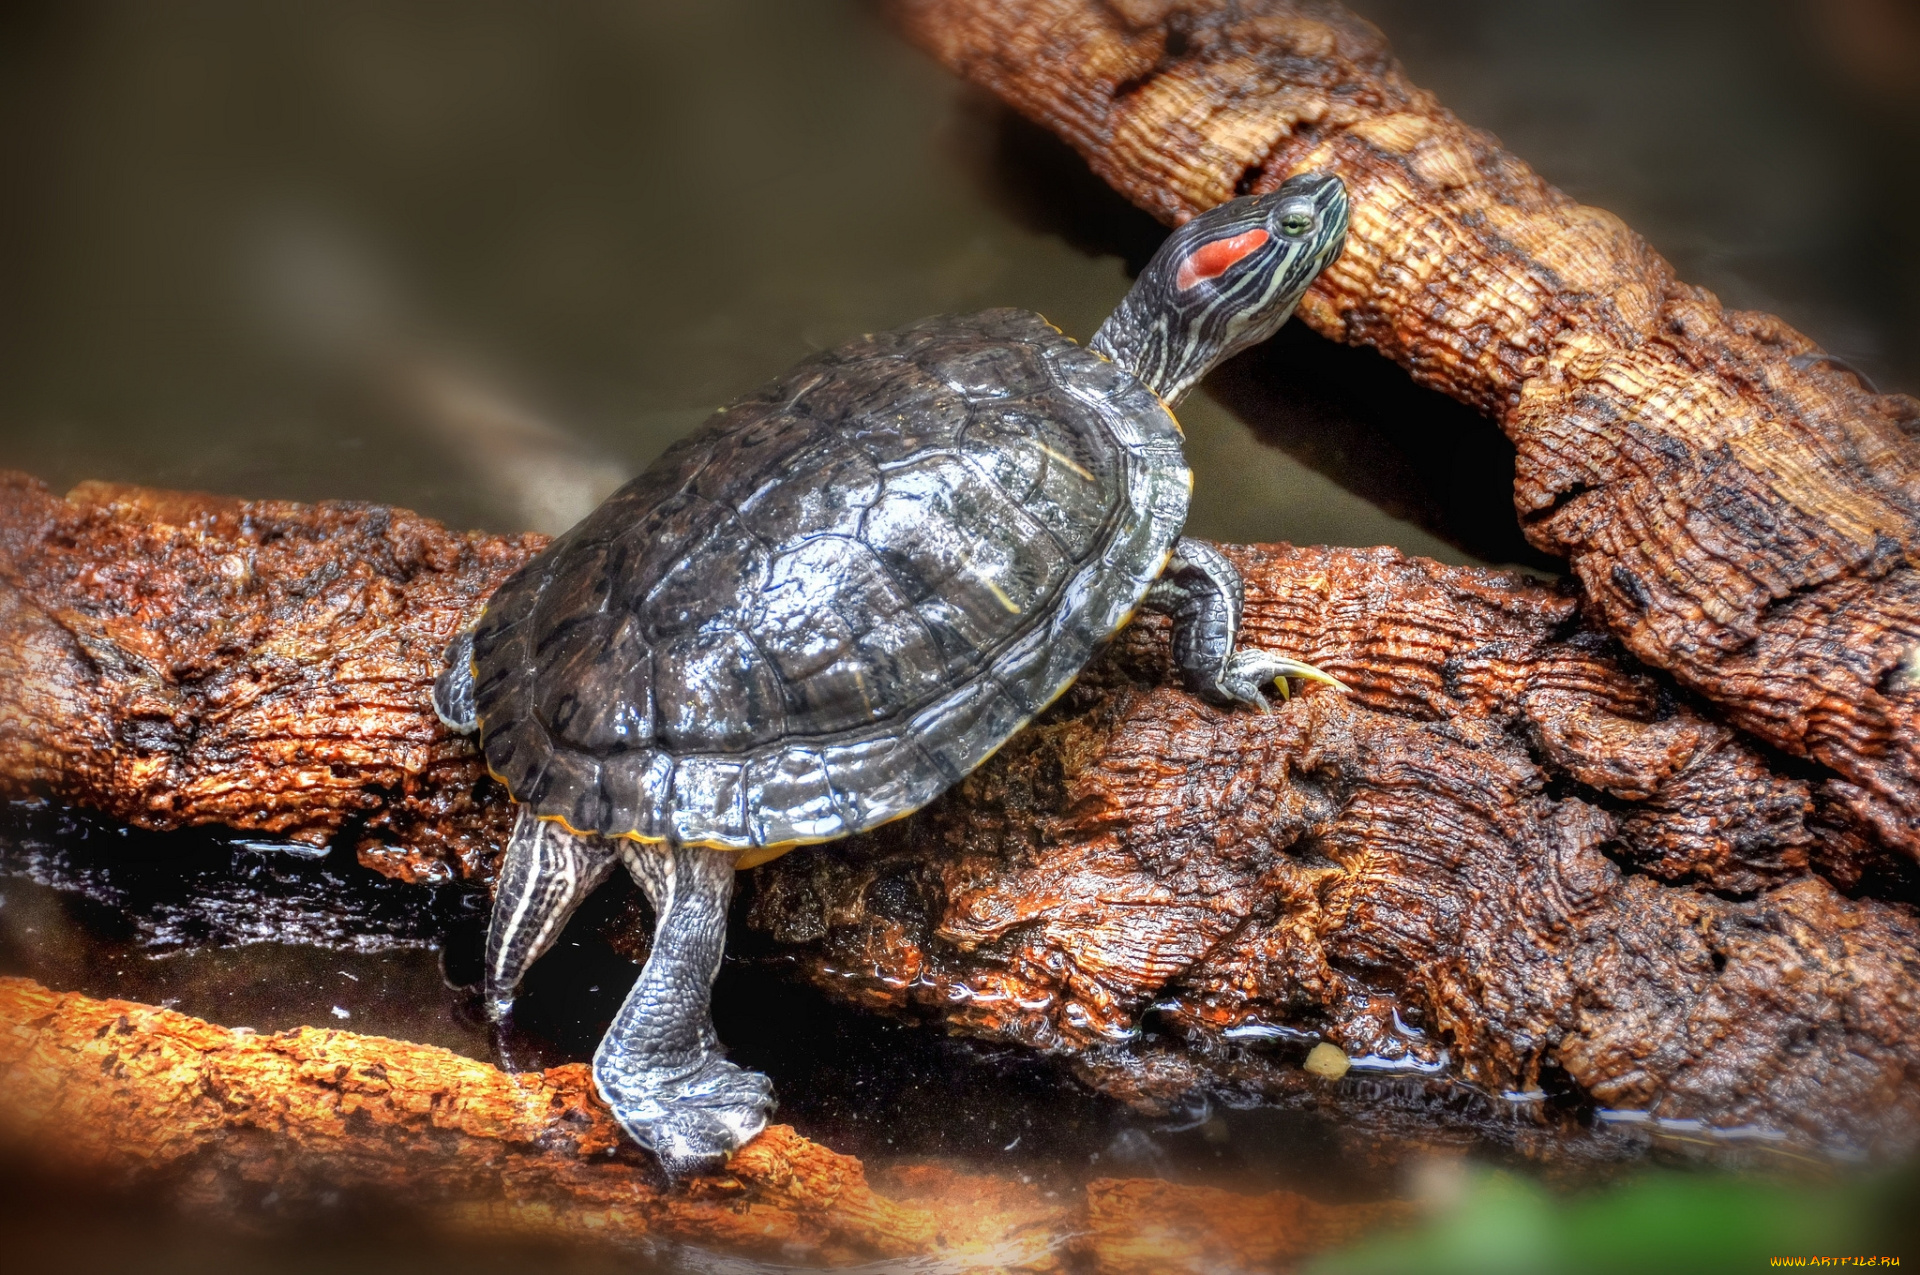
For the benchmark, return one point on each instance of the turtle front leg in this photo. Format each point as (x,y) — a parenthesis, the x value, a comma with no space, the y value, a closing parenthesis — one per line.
(660,1066)
(1203,593)
(546,874)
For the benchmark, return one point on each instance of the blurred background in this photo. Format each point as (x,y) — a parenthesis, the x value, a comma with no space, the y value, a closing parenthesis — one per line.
(485,260)
(392,251)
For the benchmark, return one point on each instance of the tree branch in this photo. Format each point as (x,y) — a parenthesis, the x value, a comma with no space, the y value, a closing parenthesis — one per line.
(1506,835)
(1740,513)
(133,1094)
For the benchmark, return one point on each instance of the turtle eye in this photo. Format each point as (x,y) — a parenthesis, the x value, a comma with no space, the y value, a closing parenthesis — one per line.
(1296,223)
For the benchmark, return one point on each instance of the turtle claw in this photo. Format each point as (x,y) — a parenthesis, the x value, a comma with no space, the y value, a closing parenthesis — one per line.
(692,1121)
(1249,670)
(498,1005)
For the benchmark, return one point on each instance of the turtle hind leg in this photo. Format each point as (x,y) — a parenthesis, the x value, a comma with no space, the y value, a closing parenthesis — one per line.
(1203,593)
(660,1066)
(453,689)
(546,874)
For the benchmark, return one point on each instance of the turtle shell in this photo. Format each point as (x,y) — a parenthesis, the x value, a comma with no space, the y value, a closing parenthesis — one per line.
(839,595)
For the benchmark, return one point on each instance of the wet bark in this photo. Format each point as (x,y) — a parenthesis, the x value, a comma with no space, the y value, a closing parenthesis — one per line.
(117,1093)
(1741,513)
(1506,858)
(1509,848)
(173,659)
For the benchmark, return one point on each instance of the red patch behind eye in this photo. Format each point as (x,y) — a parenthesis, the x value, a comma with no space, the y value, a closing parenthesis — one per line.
(1212,259)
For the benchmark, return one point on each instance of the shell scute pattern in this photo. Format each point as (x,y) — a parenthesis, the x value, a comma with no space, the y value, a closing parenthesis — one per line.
(796,799)
(758,446)
(964,587)
(648,503)
(569,786)
(995,372)
(1065,479)
(572,598)
(595,688)
(715,692)
(785,515)
(845,661)
(839,595)
(895,418)
(640,781)
(685,599)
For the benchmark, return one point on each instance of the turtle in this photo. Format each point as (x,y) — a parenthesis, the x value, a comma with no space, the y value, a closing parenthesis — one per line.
(833,601)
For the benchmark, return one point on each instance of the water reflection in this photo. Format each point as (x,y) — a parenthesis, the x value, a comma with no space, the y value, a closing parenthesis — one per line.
(248,937)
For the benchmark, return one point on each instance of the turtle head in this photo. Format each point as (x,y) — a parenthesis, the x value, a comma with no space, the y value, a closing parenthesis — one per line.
(1224,281)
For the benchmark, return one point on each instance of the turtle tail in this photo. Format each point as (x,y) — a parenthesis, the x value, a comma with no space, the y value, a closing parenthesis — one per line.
(453,689)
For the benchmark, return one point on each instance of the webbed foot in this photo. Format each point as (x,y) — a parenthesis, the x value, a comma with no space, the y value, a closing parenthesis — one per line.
(1247,671)
(660,1067)
(693,1119)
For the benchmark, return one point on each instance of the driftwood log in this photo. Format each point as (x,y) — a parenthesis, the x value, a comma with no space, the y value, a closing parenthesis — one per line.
(125,1095)
(1507,857)
(173,659)
(1740,512)
(1504,857)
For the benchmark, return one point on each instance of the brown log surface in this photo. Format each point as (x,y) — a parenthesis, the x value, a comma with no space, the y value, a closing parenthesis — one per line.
(1507,835)
(174,659)
(134,1094)
(1470,844)
(1743,517)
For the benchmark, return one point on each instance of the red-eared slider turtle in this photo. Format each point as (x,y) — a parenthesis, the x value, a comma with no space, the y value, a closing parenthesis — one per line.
(836,599)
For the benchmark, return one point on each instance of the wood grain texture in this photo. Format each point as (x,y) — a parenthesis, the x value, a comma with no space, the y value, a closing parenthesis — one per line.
(130,1094)
(1459,867)
(1741,514)
(174,659)
(1509,834)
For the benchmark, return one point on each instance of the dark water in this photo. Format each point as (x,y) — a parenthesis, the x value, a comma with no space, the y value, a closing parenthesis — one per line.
(233,229)
(268,940)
